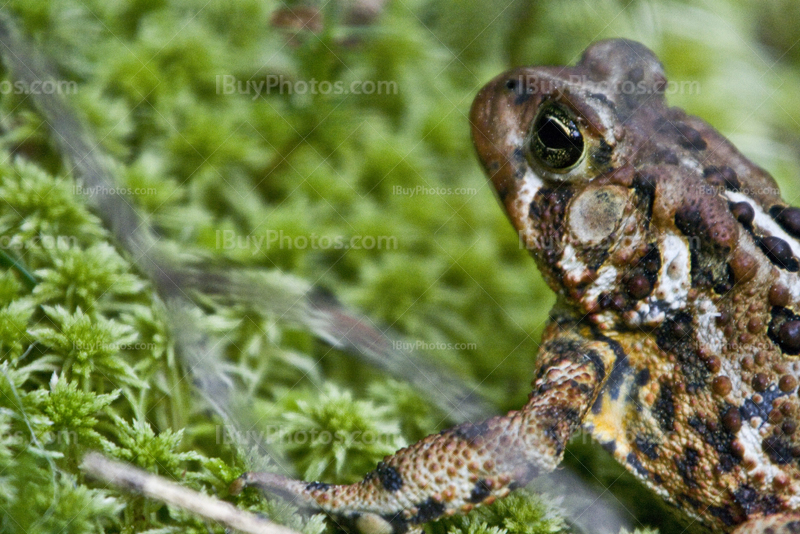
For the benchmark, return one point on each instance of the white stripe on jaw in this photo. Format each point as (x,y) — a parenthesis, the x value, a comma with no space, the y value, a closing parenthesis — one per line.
(531,183)
(674,277)
(606,282)
(571,265)
(526,192)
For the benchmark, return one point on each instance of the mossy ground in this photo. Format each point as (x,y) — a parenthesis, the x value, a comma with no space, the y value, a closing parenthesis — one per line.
(87,358)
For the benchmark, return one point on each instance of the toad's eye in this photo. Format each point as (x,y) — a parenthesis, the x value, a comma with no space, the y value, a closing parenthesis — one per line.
(556,141)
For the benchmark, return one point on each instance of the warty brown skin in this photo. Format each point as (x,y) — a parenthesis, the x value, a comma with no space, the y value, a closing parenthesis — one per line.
(674,341)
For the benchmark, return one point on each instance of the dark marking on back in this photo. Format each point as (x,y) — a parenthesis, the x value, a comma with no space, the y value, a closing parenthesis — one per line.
(314,486)
(428,510)
(469,432)
(479,492)
(617,377)
(643,377)
(649,448)
(720,438)
(778,449)
(389,476)
(685,498)
(596,257)
(689,222)
(664,408)
(676,336)
(750,408)
(610,446)
(686,465)
(620,368)
(597,407)
(636,464)
(753,502)
(727,514)
(597,361)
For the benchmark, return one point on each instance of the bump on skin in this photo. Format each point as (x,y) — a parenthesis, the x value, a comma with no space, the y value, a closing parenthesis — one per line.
(784,330)
(788,218)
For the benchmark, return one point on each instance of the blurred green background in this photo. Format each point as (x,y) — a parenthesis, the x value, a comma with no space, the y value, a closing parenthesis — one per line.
(151,79)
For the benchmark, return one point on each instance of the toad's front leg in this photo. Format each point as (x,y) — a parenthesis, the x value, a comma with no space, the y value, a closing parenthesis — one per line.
(471,464)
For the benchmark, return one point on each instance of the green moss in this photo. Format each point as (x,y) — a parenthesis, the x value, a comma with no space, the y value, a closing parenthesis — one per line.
(87,278)
(519,513)
(63,506)
(330,435)
(90,347)
(72,415)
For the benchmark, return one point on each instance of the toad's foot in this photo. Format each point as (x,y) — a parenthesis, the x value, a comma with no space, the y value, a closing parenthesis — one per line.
(469,465)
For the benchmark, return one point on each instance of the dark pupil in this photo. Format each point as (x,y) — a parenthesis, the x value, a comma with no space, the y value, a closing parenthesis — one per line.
(555,135)
(557,141)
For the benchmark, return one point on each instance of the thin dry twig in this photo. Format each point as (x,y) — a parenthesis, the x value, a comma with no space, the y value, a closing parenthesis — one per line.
(155,487)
